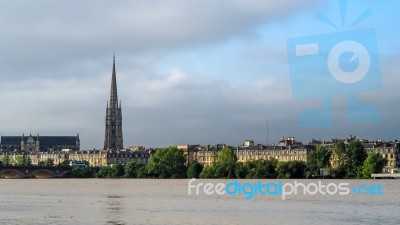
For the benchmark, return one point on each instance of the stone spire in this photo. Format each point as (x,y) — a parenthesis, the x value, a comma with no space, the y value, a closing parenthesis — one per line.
(113,90)
(113,139)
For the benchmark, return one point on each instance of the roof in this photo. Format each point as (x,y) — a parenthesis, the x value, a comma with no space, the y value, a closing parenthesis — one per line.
(10,140)
(44,140)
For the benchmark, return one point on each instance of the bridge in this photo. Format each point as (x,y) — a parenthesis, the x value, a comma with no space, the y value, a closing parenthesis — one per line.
(34,172)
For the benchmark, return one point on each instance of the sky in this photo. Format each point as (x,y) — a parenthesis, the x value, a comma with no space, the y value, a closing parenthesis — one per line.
(188,72)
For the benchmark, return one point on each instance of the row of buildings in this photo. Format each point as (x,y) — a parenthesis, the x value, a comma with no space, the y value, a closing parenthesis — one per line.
(287,149)
(37,149)
(61,149)
(290,150)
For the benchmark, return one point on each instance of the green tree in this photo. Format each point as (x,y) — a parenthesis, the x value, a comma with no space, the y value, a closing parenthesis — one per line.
(373,164)
(117,170)
(225,164)
(208,172)
(194,170)
(316,160)
(357,155)
(81,172)
(103,172)
(261,169)
(167,163)
(291,169)
(18,160)
(141,171)
(7,160)
(131,169)
(241,170)
(340,159)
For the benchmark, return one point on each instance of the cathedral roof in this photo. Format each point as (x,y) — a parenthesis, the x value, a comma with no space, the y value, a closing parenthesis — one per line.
(44,140)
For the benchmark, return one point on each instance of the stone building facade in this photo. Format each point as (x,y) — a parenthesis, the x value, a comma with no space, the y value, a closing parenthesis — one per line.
(286,150)
(389,150)
(95,158)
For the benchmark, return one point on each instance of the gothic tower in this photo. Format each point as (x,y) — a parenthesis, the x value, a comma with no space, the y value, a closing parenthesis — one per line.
(113,135)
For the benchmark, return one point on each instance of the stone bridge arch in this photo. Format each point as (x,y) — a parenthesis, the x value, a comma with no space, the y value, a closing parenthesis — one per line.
(11,173)
(42,173)
(34,172)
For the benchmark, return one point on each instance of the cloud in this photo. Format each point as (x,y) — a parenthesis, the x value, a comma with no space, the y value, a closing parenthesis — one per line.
(49,36)
(187,71)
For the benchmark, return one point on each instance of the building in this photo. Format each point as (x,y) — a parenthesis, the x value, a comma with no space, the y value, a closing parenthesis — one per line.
(95,158)
(287,150)
(29,144)
(189,152)
(113,139)
(389,150)
(113,150)
(125,156)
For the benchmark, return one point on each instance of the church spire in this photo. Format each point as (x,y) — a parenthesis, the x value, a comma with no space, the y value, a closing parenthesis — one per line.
(113,91)
(113,139)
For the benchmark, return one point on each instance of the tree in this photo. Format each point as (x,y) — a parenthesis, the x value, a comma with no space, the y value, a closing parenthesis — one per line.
(241,170)
(141,171)
(357,155)
(7,160)
(18,160)
(208,172)
(167,163)
(340,158)
(104,172)
(317,159)
(194,170)
(131,169)
(225,164)
(291,169)
(117,170)
(81,172)
(261,169)
(373,164)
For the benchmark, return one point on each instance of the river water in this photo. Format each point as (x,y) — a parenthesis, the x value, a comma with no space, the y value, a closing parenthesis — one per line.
(147,201)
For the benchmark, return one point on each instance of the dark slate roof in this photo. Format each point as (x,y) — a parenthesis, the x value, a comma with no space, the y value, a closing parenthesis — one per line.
(44,140)
(10,140)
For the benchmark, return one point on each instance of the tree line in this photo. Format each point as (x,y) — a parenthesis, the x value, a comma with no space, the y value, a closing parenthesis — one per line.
(350,162)
(342,161)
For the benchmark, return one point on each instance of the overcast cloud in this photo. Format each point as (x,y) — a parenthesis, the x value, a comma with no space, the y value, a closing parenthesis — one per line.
(188,72)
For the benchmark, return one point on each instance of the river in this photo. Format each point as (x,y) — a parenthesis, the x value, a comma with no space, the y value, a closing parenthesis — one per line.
(148,201)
